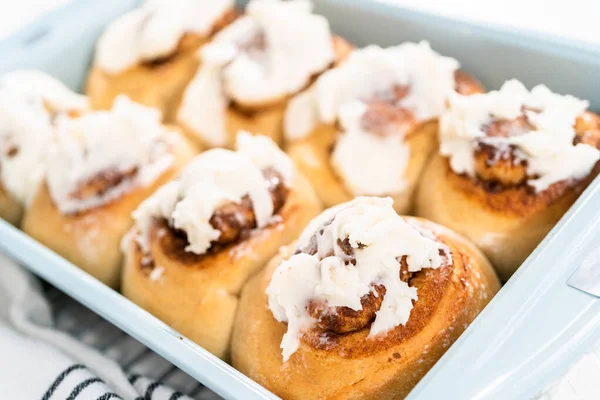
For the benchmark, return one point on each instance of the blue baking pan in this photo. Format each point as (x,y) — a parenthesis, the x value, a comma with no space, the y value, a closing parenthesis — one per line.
(530,333)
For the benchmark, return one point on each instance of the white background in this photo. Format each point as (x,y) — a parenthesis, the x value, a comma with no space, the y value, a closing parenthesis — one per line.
(575,19)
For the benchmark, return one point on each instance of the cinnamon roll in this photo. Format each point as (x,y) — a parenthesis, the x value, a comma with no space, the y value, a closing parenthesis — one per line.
(29,102)
(101,166)
(511,162)
(368,126)
(361,306)
(251,68)
(200,237)
(149,54)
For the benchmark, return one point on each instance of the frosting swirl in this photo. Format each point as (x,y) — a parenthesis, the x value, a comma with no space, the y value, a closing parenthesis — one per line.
(268,54)
(29,101)
(515,136)
(101,155)
(377,97)
(352,267)
(154,30)
(219,195)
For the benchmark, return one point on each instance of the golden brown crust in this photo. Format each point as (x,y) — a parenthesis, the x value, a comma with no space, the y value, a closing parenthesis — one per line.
(158,84)
(264,118)
(11,210)
(466,83)
(518,201)
(342,49)
(353,365)
(497,209)
(91,239)
(587,128)
(199,298)
(506,223)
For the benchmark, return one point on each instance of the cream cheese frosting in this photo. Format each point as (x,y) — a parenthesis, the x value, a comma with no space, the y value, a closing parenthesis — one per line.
(342,94)
(154,30)
(384,159)
(128,139)
(379,237)
(268,54)
(548,148)
(215,178)
(29,100)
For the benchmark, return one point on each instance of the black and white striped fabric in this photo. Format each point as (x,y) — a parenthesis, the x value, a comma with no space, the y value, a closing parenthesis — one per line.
(78,382)
(40,362)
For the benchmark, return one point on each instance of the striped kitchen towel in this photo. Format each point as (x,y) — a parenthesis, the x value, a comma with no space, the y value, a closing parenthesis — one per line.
(39,362)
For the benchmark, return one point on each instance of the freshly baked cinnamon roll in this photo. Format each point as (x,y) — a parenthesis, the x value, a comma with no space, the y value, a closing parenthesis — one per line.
(101,166)
(368,126)
(149,54)
(199,238)
(511,163)
(29,102)
(361,306)
(251,68)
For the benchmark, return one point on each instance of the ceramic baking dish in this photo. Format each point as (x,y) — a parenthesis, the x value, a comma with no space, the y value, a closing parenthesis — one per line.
(527,336)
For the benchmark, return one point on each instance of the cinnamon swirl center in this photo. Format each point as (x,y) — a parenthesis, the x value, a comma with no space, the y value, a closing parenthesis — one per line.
(234,221)
(505,166)
(189,41)
(385,115)
(341,320)
(100,184)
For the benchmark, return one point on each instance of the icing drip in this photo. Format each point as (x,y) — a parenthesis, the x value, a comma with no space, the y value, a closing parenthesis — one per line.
(344,254)
(216,178)
(541,129)
(101,155)
(270,53)
(377,95)
(29,100)
(154,31)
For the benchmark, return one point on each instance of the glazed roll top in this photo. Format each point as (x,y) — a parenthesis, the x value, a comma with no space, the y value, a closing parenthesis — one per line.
(352,270)
(220,197)
(515,137)
(154,31)
(265,56)
(102,155)
(376,98)
(29,103)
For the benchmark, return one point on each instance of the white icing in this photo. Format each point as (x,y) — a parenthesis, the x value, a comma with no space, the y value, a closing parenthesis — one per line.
(298,44)
(548,149)
(130,136)
(157,273)
(383,236)
(214,178)
(35,85)
(370,71)
(28,102)
(204,107)
(264,153)
(373,164)
(369,164)
(154,30)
